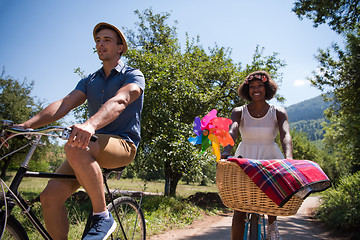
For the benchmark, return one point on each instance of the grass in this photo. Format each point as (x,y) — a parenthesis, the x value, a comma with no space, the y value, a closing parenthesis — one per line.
(161,213)
(183,189)
(36,185)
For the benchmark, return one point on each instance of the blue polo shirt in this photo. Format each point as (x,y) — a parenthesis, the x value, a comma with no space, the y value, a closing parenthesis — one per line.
(98,90)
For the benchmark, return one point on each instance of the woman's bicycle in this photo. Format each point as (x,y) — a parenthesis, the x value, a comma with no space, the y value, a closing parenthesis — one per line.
(255,227)
(239,192)
(125,209)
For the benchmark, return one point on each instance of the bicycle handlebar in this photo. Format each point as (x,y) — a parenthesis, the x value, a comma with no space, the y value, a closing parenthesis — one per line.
(66,131)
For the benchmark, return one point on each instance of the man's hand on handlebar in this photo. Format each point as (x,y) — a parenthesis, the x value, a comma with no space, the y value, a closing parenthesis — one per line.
(80,135)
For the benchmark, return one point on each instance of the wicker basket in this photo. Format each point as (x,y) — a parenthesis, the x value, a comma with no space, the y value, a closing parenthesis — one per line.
(239,192)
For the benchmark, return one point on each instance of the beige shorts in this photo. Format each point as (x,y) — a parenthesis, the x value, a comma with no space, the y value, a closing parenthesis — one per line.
(114,152)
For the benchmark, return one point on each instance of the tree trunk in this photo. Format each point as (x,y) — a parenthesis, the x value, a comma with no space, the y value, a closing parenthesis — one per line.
(171,185)
(167,187)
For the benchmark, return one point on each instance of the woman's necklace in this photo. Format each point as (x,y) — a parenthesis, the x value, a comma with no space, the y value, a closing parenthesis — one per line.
(256,113)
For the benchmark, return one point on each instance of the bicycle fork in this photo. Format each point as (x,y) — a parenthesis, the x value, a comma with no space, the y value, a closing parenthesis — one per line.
(254,218)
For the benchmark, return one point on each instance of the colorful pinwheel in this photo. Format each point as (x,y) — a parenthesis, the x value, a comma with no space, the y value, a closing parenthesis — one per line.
(212,131)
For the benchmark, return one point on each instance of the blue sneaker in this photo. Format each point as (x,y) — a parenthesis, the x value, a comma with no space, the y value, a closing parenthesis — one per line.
(101,228)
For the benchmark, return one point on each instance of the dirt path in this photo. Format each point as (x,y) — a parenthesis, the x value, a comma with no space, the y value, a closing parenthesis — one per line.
(300,226)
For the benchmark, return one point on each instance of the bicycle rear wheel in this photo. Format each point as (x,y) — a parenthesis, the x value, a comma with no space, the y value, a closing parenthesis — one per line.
(14,230)
(131,219)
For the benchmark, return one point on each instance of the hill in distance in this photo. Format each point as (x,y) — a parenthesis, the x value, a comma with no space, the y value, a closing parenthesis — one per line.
(307,110)
(308,116)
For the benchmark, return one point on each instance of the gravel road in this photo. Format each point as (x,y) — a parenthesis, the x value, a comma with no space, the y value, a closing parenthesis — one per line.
(300,226)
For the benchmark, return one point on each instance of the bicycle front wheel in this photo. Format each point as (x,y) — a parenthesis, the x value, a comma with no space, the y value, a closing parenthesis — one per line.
(14,230)
(129,218)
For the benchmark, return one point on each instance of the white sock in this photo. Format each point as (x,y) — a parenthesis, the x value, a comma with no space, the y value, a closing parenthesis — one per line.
(104,214)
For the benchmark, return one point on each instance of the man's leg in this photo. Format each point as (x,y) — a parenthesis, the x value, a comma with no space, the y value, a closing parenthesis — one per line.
(88,173)
(53,203)
(109,152)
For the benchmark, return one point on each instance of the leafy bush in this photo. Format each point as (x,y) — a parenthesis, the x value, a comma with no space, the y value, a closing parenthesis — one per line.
(341,205)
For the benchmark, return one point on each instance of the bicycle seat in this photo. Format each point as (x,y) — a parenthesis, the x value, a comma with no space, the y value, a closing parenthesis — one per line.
(119,169)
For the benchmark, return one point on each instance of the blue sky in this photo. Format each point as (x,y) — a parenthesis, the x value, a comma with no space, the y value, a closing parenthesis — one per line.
(44,41)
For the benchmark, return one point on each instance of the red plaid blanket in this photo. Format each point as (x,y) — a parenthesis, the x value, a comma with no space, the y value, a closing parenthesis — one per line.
(281,179)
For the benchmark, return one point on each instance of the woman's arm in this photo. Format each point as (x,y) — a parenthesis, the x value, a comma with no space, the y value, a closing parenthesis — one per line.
(284,129)
(234,130)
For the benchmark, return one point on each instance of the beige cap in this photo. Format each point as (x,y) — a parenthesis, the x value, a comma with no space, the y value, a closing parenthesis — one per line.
(122,36)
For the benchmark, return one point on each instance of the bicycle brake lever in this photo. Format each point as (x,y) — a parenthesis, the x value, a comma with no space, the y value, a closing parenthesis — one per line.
(66,134)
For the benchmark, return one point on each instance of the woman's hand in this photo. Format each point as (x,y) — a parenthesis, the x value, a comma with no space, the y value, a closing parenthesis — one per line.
(225,155)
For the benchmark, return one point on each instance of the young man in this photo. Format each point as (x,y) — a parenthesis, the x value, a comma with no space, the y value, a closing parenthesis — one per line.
(115,100)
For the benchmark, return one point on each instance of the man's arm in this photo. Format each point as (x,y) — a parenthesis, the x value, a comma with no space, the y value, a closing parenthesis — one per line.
(106,114)
(284,129)
(56,110)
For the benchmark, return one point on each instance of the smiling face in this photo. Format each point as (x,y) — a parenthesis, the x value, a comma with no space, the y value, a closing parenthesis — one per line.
(107,45)
(257,90)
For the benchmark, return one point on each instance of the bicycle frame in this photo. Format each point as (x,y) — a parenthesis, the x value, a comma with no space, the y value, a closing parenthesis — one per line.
(12,194)
(13,197)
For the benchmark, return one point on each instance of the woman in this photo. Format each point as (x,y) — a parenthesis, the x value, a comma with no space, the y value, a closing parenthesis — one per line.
(258,123)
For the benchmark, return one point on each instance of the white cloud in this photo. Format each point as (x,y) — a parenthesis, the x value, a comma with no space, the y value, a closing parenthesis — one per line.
(301,83)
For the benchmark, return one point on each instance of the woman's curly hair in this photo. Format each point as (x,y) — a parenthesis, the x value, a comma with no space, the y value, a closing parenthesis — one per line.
(270,86)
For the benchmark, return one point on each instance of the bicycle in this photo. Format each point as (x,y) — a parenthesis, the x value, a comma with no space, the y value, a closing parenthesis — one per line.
(239,192)
(254,222)
(257,223)
(126,210)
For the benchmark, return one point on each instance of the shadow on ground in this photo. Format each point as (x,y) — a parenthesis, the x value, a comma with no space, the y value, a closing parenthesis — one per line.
(216,233)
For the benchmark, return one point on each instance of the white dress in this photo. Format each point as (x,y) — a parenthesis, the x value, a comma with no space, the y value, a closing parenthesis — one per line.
(258,136)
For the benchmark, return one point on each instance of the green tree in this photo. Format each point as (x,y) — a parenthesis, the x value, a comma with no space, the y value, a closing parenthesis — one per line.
(302,147)
(305,149)
(17,105)
(342,75)
(340,15)
(180,85)
(81,113)
(339,74)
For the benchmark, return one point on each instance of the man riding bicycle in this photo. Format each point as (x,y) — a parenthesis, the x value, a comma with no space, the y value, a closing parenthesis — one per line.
(115,99)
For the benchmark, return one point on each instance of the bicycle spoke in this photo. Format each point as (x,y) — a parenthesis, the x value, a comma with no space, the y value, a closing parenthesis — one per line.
(131,219)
